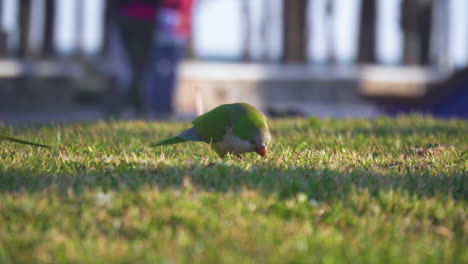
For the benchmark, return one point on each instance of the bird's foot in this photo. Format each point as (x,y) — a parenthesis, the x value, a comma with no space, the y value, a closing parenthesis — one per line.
(239,156)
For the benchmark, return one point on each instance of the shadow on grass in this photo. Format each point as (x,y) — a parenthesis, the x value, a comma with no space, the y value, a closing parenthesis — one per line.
(283,182)
(384,131)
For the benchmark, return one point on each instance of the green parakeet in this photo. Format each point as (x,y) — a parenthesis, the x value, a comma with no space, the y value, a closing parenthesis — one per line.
(229,128)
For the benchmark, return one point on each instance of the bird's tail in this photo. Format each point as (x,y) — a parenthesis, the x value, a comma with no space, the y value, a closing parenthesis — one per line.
(188,135)
(168,141)
(17,140)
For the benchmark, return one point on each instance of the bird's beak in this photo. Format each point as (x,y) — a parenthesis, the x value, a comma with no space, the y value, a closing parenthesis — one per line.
(262,151)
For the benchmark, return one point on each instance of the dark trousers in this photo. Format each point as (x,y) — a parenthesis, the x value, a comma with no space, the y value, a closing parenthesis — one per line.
(163,77)
(137,38)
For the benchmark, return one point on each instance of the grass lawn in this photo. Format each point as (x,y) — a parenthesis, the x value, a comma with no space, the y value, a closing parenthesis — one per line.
(330,191)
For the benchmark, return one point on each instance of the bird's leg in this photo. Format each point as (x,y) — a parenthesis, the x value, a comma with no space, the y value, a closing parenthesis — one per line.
(240,156)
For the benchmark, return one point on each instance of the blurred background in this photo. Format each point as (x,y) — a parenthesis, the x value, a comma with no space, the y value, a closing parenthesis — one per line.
(75,60)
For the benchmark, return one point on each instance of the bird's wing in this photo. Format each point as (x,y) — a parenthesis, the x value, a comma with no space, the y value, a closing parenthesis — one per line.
(212,125)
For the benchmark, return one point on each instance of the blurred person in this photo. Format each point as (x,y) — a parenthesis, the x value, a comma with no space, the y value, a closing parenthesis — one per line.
(173,19)
(134,20)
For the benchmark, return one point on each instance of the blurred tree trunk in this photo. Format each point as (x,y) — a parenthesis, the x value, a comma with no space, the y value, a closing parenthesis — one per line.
(265,24)
(48,48)
(189,48)
(24,27)
(425,28)
(294,28)
(267,27)
(3,35)
(79,29)
(246,18)
(409,25)
(367,31)
(439,38)
(190,51)
(416,23)
(107,24)
(330,32)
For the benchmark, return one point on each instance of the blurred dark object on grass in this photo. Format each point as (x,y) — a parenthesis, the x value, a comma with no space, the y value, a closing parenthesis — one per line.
(444,98)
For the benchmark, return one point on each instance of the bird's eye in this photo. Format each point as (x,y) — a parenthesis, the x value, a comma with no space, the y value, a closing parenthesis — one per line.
(252,142)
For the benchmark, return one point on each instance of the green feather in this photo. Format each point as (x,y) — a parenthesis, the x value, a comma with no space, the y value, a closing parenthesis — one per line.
(212,125)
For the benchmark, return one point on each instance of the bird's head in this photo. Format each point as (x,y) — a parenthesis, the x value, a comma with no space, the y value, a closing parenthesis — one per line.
(260,141)
(251,125)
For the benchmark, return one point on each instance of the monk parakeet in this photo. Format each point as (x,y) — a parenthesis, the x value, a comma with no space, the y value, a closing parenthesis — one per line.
(229,128)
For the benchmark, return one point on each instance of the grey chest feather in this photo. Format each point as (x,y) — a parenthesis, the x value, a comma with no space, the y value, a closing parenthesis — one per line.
(234,144)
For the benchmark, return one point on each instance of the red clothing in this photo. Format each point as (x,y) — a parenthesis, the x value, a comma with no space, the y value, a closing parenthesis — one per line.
(183,10)
(139,10)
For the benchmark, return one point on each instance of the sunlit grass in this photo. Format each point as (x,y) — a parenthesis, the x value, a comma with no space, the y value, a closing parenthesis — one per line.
(330,191)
